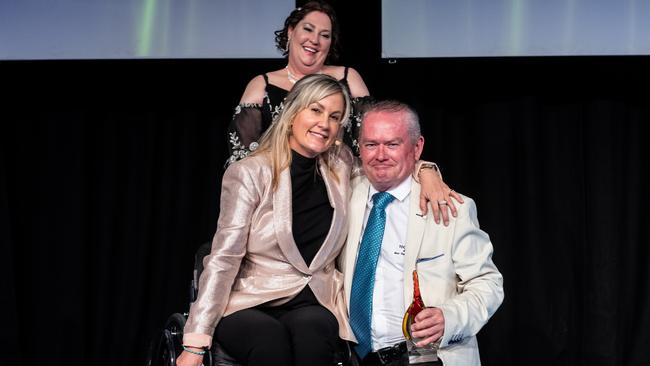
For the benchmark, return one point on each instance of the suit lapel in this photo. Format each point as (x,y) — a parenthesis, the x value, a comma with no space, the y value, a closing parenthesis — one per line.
(283,221)
(414,236)
(356,214)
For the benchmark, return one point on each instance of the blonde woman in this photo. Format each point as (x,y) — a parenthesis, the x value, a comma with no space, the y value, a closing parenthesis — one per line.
(270,292)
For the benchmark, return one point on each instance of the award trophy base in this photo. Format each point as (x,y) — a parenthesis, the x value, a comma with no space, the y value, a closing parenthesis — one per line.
(428,353)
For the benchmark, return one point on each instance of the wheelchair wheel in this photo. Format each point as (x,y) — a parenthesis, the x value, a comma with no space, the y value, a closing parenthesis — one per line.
(168,346)
(162,351)
(175,324)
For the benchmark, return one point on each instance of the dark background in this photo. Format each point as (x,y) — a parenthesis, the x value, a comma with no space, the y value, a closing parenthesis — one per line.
(110,179)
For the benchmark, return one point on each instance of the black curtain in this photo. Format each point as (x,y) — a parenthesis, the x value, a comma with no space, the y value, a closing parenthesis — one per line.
(553,150)
(110,179)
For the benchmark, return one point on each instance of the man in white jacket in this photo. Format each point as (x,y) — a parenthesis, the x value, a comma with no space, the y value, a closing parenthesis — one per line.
(460,285)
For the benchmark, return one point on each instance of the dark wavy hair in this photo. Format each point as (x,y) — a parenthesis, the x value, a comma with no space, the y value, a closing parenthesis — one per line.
(297,15)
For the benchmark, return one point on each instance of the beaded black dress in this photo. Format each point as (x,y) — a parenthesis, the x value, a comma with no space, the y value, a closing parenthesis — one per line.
(251,120)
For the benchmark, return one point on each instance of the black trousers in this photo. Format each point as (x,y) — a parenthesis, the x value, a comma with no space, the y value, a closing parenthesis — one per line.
(371,360)
(301,332)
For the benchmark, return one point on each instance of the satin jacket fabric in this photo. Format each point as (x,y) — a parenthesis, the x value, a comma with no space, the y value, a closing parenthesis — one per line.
(254,258)
(454,265)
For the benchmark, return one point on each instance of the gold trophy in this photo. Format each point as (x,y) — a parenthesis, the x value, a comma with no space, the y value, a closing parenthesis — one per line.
(428,353)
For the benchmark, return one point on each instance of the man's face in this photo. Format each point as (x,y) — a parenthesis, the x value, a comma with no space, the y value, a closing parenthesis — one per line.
(388,155)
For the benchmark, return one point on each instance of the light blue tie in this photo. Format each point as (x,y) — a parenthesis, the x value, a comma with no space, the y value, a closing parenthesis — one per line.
(363,281)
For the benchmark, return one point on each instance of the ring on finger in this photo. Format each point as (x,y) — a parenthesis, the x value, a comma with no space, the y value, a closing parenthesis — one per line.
(442,202)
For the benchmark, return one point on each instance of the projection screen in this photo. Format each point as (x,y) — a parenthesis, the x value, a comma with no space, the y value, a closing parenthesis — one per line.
(484,28)
(123,29)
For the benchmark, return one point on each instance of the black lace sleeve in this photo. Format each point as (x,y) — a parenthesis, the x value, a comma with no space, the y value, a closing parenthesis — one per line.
(359,106)
(244,131)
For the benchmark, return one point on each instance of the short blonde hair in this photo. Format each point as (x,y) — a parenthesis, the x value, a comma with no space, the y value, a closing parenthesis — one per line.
(275,141)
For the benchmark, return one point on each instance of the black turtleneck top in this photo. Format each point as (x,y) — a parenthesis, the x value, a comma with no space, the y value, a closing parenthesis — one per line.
(312,211)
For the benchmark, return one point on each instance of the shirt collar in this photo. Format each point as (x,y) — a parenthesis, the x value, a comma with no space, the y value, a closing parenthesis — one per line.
(400,192)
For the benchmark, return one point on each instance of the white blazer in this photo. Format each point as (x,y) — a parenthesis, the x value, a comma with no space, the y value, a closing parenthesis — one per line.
(455,270)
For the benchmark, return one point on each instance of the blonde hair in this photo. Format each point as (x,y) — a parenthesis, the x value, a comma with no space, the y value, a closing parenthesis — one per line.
(275,141)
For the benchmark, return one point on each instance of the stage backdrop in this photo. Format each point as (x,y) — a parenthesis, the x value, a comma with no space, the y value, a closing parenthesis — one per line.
(110,180)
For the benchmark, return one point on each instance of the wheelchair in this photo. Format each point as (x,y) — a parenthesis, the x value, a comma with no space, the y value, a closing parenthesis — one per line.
(167,345)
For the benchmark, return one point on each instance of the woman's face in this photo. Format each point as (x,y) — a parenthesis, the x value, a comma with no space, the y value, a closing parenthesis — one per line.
(315,128)
(310,40)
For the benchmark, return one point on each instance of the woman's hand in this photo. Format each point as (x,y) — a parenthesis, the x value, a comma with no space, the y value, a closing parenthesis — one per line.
(189,359)
(434,190)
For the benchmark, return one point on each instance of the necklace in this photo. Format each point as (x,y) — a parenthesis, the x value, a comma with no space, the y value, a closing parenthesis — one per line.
(292,78)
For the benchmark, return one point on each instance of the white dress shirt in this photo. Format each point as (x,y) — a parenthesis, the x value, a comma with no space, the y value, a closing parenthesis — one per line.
(388,306)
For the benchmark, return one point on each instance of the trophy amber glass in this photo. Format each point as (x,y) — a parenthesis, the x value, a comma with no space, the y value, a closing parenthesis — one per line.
(416,306)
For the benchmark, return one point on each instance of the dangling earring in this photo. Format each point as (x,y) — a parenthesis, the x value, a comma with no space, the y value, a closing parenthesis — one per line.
(337,142)
(286,46)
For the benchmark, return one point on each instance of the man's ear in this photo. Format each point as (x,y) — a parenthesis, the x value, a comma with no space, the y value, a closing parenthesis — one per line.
(419,146)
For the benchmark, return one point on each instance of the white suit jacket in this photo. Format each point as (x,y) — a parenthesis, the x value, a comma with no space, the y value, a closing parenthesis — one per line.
(454,265)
